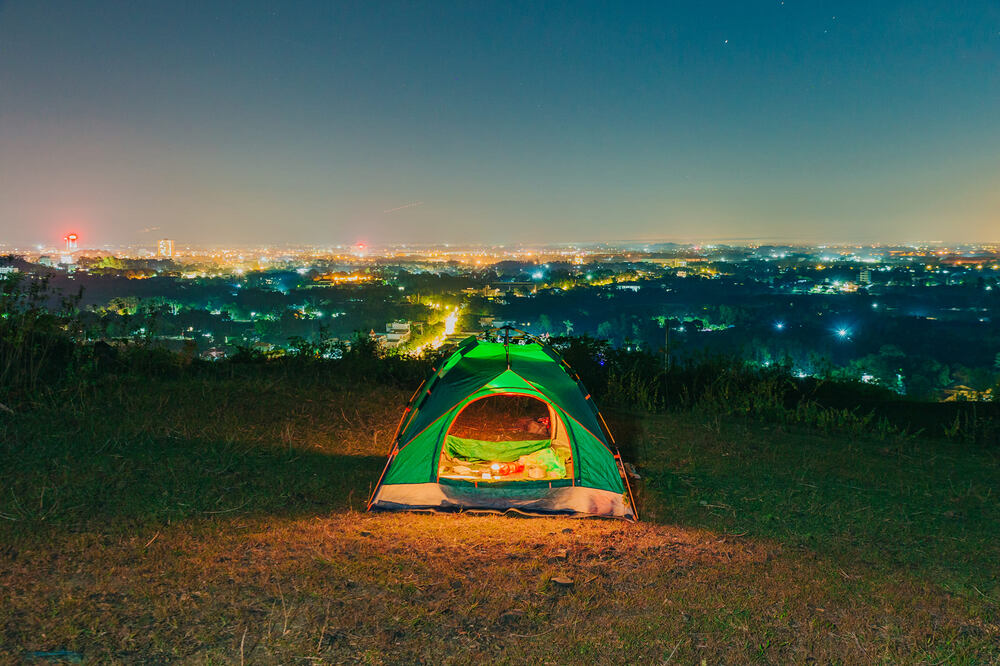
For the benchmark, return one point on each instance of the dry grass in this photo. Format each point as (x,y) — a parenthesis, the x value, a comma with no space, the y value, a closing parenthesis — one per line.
(456,589)
(210,521)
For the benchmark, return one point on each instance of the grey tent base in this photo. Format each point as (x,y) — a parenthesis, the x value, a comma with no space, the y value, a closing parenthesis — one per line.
(566,500)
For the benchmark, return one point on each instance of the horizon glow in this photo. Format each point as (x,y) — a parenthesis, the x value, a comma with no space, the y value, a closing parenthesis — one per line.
(323,123)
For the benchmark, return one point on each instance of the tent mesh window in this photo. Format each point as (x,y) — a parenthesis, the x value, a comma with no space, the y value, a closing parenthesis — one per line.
(505,438)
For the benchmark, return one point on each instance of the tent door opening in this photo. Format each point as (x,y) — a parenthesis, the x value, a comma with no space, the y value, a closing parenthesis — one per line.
(506,438)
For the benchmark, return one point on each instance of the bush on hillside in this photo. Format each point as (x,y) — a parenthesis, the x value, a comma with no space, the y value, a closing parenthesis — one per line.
(38,340)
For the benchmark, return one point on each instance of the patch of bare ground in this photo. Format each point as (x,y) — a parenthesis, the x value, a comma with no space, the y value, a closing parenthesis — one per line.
(460,589)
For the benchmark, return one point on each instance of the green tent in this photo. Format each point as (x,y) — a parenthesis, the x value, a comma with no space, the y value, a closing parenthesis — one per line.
(575,471)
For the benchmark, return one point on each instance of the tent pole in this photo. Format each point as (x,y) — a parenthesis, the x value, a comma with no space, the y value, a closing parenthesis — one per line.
(621,465)
(506,345)
(408,412)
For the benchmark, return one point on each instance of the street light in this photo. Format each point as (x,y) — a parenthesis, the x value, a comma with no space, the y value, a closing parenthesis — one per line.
(779,325)
(842,333)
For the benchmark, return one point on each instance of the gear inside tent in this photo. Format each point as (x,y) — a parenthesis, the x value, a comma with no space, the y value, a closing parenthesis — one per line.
(504,426)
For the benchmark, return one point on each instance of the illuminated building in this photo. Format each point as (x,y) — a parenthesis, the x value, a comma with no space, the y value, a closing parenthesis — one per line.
(71,240)
(865,276)
(334,279)
(396,333)
(165,249)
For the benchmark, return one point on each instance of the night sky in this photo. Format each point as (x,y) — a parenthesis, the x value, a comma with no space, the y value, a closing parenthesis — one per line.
(336,122)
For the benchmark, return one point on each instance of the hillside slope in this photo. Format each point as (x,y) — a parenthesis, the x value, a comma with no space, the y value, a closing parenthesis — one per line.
(216,518)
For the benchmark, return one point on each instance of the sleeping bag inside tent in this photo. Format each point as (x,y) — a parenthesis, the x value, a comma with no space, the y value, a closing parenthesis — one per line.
(563,464)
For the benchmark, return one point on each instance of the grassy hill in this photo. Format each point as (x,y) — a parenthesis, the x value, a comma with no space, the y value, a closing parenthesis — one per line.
(216,516)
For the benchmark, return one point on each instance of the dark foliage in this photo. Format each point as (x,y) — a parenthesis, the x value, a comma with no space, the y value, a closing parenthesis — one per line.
(645,382)
(44,352)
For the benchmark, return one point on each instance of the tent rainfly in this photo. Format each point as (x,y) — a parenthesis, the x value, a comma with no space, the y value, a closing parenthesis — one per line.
(576,471)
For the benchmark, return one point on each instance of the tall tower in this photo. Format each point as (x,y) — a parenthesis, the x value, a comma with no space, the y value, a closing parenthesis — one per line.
(865,276)
(165,249)
(71,240)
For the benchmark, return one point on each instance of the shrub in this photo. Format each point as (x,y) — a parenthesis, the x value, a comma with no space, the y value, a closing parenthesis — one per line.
(38,342)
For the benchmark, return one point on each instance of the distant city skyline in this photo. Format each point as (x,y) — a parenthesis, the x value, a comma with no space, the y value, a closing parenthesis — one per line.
(321,123)
(169,248)
(158,245)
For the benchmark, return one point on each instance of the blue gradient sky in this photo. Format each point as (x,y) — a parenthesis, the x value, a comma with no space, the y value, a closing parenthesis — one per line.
(508,121)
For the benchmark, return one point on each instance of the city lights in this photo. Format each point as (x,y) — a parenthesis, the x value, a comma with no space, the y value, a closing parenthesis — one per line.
(499,281)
